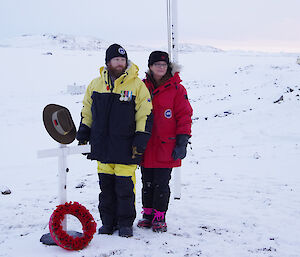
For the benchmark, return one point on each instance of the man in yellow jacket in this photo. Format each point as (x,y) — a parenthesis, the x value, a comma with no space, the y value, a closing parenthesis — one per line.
(117,121)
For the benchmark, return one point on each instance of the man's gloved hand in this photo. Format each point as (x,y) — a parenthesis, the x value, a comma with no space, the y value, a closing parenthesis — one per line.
(135,152)
(83,136)
(84,142)
(179,151)
(139,143)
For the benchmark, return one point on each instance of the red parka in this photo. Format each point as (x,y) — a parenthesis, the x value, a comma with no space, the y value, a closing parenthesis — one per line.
(172,116)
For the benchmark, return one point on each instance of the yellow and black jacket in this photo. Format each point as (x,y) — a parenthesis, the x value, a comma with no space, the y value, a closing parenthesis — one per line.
(116,116)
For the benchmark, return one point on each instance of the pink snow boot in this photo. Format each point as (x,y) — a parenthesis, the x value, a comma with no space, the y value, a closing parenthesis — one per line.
(158,222)
(146,221)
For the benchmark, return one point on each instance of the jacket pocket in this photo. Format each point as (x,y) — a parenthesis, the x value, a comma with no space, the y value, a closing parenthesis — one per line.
(165,149)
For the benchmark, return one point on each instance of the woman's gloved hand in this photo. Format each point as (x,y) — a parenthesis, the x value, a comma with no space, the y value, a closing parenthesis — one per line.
(179,151)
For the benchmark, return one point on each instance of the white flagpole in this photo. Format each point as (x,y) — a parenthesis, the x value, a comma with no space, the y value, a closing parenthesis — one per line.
(177,194)
(169,28)
(174,32)
(173,53)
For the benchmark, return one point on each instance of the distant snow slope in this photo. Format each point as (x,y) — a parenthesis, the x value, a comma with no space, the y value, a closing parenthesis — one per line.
(71,42)
(187,48)
(60,41)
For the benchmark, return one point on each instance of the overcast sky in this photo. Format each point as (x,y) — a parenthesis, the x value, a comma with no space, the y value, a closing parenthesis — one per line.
(245,24)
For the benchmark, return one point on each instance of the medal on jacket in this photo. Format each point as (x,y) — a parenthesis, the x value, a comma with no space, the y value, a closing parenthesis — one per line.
(126,96)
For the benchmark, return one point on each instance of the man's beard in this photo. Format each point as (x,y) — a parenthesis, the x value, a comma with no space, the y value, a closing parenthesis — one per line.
(116,72)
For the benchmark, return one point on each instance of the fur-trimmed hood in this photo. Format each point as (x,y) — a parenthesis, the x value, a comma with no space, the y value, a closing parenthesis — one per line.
(175,67)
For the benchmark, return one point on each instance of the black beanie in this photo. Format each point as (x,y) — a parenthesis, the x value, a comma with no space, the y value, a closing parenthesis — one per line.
(113,51)
(157,56)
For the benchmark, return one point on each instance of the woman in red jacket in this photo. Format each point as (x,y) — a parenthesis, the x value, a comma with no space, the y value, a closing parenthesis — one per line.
(170,134)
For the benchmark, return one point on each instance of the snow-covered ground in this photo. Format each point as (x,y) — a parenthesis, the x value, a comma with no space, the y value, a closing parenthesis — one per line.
(240,180)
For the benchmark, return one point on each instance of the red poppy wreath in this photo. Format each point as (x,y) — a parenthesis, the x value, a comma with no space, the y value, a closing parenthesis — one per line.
(61,237)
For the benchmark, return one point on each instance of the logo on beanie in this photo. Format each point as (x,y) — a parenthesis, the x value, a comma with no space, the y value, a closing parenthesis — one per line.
(163,57)
(121,51)
(168,113)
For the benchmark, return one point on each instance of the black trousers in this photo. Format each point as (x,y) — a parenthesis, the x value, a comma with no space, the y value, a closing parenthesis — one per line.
(156,189)
(116,200)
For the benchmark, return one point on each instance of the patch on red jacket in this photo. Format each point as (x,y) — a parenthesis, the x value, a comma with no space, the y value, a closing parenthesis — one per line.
(168,113)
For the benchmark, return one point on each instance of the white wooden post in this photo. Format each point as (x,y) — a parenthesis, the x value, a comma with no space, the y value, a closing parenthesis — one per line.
(62,178)
(62,153)
(173,53)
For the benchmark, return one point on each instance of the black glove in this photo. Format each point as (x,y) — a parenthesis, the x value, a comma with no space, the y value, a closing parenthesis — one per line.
(136,153)
(179,151)
(83,134)
(139,143)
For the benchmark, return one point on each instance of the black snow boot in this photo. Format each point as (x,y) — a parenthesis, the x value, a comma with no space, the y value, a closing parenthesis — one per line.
(126,232)
(107,230)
